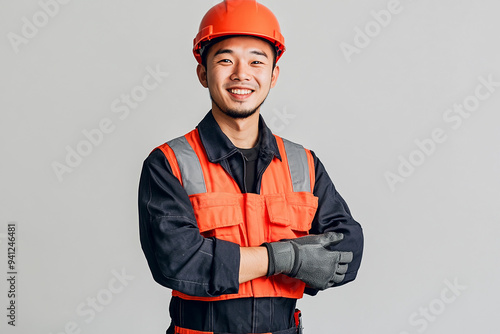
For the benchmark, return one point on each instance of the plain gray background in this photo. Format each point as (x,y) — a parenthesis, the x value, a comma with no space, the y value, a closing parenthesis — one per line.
(362,114)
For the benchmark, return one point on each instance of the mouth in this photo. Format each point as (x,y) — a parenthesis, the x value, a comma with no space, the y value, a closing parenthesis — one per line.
(240,93)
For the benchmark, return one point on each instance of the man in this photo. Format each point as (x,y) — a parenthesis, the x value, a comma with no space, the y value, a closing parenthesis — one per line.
(237,221)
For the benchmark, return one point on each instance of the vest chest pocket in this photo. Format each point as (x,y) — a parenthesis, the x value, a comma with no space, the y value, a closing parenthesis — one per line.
(219,215)
(290,215)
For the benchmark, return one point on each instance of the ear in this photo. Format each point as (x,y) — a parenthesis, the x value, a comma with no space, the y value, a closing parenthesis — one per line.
(201,71)
(275,75)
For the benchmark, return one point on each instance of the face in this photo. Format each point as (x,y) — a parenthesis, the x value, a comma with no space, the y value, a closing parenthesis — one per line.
(239,75)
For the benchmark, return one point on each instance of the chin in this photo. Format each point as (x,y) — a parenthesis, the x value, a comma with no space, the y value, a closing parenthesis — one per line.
(239,114)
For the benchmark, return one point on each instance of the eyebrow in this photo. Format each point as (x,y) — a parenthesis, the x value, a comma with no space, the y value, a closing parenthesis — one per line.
(259,53)
(229,51)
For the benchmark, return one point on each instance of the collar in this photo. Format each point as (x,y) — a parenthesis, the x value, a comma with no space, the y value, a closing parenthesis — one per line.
(219,147)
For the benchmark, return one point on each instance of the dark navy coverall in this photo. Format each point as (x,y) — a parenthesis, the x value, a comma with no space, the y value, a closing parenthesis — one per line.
(165,206)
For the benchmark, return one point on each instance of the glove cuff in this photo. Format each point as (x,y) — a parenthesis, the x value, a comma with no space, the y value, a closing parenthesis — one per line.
(281,257)
(270,268)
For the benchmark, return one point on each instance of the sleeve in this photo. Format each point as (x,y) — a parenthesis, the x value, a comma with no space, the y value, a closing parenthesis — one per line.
(333,215)
(179,257)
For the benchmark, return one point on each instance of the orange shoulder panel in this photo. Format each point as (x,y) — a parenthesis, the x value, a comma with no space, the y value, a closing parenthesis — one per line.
(172,160)
(215,176)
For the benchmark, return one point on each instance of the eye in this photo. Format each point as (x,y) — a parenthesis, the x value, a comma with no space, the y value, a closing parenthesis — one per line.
(225,61)
(257,62)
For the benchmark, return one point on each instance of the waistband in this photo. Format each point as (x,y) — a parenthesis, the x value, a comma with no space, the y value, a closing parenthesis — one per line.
(244,315)
(179,330)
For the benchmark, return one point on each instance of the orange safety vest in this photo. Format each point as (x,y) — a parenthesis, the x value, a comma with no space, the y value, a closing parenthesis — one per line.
(284,209)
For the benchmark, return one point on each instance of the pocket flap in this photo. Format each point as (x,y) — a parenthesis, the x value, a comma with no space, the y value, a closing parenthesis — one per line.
(295,210)
(216,210)
(302,207)
(277,209)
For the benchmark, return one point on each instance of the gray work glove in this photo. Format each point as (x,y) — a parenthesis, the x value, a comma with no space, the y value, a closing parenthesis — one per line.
(308,259)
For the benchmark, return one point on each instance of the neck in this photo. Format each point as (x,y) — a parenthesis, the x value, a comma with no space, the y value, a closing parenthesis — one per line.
(243,132)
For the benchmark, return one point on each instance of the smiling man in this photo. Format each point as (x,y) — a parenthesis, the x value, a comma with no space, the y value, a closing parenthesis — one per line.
(237,221)
(241,75)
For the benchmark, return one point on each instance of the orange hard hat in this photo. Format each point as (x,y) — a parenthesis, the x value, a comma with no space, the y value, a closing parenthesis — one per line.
(239,17)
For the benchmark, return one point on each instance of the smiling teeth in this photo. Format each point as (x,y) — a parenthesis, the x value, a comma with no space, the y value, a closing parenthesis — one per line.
(240,91)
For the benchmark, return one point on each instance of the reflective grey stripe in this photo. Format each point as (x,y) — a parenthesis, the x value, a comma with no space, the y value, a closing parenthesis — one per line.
(189,164)
(299,168)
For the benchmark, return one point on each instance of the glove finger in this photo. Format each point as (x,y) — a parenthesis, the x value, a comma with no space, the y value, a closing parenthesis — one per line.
(345,257)
(341,269)
(337,278)
(331,238)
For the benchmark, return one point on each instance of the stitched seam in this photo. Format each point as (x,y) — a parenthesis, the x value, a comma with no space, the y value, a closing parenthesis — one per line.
(150,197)
(178,217)
(184,281)
(206,253)
(180,312)
(211,315)
(254,315)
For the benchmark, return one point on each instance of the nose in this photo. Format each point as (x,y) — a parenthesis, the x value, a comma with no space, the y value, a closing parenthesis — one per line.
(241,72)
